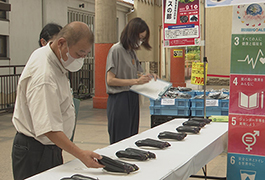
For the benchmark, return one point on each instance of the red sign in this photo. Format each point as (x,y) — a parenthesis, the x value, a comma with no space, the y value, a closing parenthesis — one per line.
(246,134)
(247,94)
(181,23)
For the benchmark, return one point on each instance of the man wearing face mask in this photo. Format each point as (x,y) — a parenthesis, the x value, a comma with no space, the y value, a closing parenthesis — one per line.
(44,113)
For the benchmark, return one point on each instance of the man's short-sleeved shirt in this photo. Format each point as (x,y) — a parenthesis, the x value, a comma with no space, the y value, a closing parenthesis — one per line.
(124,64)
(44,101)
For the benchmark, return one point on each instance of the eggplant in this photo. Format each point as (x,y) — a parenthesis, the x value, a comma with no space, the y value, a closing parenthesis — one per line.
(78,177)
(131,155)
(172,135)
(207,121)
(152,143)
(117,166)
(191,129)
(149,154)
(194,123)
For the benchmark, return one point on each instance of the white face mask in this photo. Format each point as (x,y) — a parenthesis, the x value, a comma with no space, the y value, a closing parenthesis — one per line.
(139,44)
(71,63)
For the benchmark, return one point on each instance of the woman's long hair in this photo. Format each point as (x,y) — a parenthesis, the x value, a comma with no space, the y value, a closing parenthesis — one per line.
(130,34)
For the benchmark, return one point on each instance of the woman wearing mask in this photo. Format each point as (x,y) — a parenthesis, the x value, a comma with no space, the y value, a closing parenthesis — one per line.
(123,70)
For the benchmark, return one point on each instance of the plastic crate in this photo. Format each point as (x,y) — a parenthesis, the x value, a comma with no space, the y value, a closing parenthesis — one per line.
(207,92)
(177,111)
(198,93)
(200,103)
(185,103)
(199,111)
(192,93)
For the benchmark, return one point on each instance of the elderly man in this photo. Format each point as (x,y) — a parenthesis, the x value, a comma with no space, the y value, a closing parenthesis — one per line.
(44,113)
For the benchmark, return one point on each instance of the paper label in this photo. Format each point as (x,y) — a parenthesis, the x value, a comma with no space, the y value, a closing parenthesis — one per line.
(167,101)
(211,102)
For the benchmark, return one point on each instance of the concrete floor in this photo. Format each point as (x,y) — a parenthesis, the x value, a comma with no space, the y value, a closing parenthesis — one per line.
(91,133)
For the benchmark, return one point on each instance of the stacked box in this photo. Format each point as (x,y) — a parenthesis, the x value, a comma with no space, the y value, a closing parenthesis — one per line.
(180,108)
(197,108)
(192,93)
(188,107)
(200,103)
(167,111)
(198,92)
(210,111)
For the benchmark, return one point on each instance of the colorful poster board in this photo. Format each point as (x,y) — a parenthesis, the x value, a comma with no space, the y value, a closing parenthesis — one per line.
(181,24)
(246,155)
(216,3)
(197,73)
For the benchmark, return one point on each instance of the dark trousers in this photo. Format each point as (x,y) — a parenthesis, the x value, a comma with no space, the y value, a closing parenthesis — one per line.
(30,157)
(123,115)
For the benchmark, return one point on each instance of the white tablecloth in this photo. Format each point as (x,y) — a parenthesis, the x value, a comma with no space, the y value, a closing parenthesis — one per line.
(177,162)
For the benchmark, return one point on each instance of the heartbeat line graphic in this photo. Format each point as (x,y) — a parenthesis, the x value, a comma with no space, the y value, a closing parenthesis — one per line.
(262,60)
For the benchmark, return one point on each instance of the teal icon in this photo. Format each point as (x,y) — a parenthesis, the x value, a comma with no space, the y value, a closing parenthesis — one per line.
(247,174)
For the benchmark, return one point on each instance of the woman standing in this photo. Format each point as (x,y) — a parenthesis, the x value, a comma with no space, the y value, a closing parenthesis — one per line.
(49,33)
(123,70)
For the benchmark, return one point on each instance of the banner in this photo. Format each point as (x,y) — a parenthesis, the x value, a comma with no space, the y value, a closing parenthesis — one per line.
(246,132)
(197,73)
(249,19)
(181,24)
(216,3)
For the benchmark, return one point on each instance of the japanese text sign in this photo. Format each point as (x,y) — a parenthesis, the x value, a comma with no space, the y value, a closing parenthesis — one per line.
(181,23)
(197,73)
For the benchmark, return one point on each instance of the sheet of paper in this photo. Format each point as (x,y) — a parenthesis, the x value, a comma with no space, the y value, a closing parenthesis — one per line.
(153,89)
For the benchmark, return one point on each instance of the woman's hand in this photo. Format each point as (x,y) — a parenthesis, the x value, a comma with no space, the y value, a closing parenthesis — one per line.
(155,76)
(144,79)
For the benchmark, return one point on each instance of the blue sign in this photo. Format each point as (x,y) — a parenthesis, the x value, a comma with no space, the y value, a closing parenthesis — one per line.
(245,167)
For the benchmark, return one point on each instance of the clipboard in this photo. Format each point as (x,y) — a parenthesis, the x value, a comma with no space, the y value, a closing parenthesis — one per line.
(153,89)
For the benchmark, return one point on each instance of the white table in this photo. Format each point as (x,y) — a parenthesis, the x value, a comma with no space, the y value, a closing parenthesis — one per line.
(178,162)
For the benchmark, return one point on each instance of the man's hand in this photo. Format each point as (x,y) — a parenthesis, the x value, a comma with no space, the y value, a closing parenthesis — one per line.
(89,158)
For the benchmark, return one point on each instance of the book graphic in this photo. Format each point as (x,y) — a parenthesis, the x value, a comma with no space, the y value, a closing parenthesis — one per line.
(249,102)
(247,174)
